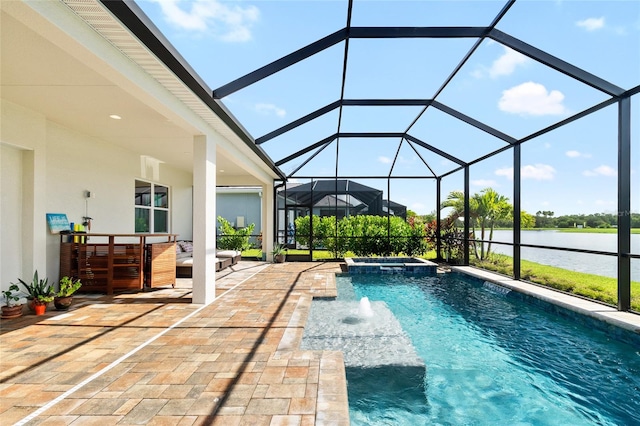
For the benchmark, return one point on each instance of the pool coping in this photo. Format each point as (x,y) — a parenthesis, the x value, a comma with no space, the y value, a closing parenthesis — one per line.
(415,261)
(606,314)
(415,266)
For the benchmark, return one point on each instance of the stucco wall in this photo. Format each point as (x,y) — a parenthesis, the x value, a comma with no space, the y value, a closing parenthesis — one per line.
(247,205)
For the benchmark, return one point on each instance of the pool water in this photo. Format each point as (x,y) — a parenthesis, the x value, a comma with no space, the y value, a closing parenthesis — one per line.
(492,359)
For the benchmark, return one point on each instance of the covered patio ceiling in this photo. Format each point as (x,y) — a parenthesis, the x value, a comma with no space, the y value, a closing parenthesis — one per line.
(47,71)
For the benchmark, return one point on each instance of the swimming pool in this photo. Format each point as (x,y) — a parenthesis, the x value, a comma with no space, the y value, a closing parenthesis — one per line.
(491,359)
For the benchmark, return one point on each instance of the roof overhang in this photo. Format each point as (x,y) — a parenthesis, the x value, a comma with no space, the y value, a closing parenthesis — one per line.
(75,63)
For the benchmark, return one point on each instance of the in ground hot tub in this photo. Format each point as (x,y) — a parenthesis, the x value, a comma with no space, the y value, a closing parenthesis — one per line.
(390,265)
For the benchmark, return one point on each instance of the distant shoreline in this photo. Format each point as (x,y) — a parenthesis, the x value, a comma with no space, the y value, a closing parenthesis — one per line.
(576,230)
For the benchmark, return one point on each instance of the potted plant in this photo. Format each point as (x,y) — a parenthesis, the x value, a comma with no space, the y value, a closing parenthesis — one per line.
(40,303)
(279,253)
(39,293)
(64,296)
(10,309)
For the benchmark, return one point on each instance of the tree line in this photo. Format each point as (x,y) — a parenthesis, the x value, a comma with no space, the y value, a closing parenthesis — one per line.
(501,213)
(546,219)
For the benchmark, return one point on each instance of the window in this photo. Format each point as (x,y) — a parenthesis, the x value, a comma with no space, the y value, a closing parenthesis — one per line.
(152,207)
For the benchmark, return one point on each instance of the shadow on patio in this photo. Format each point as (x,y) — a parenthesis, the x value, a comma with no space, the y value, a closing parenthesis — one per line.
(151,357)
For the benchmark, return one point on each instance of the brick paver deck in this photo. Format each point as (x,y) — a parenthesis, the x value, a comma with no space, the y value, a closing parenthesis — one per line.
(155,358)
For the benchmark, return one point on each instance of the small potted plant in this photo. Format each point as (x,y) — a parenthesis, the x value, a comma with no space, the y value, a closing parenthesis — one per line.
(279,253)
(11,309)
(39,293)
(64,296)
(40,303)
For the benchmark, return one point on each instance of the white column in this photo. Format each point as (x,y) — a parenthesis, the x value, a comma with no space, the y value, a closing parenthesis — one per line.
(204,219)
(268,231)
(34,211)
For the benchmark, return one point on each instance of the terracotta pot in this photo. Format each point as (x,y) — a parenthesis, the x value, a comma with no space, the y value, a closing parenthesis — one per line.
(62,303)
(9,312)
(39,308)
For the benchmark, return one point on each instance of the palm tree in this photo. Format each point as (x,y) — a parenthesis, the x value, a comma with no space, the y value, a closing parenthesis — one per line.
(455,200)
(485,208)
(491,208)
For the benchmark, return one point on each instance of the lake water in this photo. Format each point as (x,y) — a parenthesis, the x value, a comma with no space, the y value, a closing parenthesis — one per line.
(581,262)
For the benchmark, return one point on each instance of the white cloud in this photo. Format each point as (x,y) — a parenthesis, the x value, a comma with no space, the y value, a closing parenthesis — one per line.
(504,65)
(268,109)
(532,99)
(535,172)
(222,20)
(478,73)
(484,182)
(538,172)
(384,160)
(606,171)
(605,203)
(591,24)
(577,154)
(507,63)
(601,171)
(506,172)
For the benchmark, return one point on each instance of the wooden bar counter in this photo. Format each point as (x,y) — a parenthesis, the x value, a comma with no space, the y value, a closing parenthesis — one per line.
(108,263)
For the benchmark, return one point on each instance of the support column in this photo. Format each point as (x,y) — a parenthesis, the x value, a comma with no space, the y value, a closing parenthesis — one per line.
(268,221)
(438,218)
(624,204)
(517,208)
(204,219)
(467,215)
(35,254)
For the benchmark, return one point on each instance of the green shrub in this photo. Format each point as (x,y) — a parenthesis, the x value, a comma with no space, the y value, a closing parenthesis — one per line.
(363,235)
(231,238)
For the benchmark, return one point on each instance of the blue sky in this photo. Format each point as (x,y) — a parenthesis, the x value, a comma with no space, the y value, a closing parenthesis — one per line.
(570,170)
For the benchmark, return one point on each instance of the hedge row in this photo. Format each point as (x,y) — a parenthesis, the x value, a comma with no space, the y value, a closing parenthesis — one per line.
(363,235)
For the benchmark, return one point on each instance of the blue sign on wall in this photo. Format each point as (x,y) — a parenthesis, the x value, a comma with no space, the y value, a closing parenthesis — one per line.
(57,222)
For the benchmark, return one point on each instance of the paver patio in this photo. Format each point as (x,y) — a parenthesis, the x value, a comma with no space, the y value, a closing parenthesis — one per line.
(154,358)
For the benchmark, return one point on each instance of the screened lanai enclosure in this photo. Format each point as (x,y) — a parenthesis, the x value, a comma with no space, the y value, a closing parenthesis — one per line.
(337,198)
(432,102)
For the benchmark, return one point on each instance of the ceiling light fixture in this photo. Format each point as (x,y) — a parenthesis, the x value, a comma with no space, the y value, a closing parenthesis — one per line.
(115,117)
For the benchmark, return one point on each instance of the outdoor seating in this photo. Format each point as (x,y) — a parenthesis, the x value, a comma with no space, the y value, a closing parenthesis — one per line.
(184,259)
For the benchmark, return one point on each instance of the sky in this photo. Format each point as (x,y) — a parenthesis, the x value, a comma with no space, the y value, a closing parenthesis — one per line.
(570,170)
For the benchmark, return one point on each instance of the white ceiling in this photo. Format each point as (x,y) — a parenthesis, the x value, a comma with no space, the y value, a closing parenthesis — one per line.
(38,75)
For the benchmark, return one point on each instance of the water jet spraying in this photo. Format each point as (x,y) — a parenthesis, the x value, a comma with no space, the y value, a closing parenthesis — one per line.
(364,309)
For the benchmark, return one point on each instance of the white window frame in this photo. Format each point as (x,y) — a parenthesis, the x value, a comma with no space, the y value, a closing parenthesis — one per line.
(152,208)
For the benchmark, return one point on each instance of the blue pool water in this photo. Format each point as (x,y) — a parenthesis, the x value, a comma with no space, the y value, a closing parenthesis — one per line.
(491,359)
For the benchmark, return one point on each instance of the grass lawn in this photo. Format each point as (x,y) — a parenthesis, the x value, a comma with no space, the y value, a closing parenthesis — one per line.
(319,254)
(597,287)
